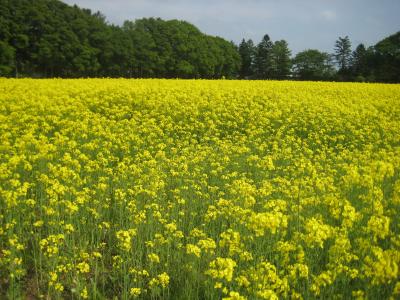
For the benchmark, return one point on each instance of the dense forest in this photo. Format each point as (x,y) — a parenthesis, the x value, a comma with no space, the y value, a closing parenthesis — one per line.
(48,38)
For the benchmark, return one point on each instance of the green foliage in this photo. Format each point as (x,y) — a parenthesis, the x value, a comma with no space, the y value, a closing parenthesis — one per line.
(269,60)
(387,59)
(281,62)
(379,63)
(312,65)
(263,59)
(247,53)
(48,38)
(343,53)
(359,61)
(7,55)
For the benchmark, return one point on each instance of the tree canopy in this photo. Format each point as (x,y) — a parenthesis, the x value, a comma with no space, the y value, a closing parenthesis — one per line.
(343,53)
(48,38)
(312,65)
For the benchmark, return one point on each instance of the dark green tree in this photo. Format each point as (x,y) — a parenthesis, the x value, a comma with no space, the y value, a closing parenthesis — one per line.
(280,60)
(343,53)
(229,60)
(47,38)
(7,59)
(385,63)
(313,65)
(247,52)
(359,66)
(7,51)
(263,58)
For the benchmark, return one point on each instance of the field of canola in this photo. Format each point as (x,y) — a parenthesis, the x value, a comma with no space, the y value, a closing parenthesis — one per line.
(173,189)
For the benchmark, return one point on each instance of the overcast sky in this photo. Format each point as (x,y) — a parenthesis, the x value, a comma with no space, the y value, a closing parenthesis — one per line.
(303,23)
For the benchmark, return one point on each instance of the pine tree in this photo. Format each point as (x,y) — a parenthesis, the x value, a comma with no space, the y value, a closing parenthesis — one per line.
(359,62)
(281,62)
(246,52)
(263,58)
(343,53)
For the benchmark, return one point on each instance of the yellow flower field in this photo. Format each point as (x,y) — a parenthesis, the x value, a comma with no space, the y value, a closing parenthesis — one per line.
(174,189)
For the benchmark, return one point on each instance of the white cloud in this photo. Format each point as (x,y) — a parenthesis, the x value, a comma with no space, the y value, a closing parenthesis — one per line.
(328,15)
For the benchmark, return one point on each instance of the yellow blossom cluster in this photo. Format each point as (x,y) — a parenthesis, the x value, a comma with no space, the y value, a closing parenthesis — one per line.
(196,189)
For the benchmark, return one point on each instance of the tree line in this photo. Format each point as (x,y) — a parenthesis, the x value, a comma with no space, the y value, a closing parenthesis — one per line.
(272,60)
(48,38)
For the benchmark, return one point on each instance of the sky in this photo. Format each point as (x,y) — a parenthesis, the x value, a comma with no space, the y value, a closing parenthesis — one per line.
(304,24)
